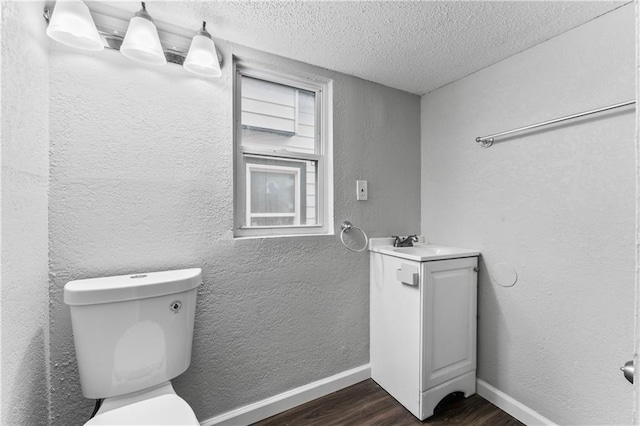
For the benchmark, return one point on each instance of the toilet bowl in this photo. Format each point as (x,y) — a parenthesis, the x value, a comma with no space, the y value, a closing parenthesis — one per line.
(133,334)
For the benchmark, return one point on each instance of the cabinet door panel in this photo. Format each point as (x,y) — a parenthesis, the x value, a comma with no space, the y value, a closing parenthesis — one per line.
(395,329)
(449,320)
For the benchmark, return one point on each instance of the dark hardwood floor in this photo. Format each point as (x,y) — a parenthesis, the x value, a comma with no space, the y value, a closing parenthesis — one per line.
(366,403)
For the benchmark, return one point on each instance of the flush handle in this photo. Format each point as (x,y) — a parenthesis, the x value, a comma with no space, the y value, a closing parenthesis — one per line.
(175,306)
(628,370)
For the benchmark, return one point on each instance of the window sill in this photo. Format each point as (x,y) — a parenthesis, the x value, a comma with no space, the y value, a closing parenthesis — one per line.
(257,237)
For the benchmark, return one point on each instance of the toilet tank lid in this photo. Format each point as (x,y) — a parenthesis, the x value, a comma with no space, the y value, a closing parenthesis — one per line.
(130,287)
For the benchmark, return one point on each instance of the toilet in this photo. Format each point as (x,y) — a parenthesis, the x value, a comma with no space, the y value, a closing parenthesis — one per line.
(133,335)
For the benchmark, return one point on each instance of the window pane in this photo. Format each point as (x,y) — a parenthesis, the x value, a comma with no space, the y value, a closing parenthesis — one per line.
(277,117)
(273,192)
(281,191)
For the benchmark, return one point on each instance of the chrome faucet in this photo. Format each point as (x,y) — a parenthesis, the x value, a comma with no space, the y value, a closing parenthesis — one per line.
(404,242)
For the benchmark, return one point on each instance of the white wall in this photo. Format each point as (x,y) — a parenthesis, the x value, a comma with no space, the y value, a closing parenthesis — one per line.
(23,190)
(557,205)
(141,180)
(636,354)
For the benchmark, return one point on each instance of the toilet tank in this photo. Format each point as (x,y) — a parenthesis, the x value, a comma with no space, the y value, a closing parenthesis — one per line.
(132,332)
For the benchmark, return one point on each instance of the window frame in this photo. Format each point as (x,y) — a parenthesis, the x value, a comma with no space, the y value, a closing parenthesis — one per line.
(323,156)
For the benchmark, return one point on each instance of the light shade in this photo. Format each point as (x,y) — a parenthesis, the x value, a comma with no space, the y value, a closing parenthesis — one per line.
(72,24)
(202,58)
(141,42)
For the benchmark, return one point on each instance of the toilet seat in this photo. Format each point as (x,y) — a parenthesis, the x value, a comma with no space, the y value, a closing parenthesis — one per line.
(155,407)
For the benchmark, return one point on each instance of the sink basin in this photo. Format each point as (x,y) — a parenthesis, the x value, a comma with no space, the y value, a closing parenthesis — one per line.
(427,252)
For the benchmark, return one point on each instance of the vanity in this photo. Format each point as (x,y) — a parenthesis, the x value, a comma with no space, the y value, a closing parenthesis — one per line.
(423,322)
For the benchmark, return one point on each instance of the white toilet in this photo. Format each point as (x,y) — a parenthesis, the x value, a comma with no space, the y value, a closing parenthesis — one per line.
(133,335)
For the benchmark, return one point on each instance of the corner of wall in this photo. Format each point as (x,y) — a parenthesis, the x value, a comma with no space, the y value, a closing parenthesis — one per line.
(24,160)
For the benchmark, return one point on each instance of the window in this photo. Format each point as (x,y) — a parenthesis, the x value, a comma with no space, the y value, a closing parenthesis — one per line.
(283,176)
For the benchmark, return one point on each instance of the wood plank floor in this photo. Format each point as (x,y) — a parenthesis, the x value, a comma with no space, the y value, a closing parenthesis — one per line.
(366,403)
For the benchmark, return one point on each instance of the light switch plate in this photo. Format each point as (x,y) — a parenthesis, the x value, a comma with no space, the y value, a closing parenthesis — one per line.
(362,193)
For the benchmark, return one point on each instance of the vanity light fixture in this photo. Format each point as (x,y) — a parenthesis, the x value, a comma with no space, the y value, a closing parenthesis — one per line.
(202,58)
(71,24)
(141,42)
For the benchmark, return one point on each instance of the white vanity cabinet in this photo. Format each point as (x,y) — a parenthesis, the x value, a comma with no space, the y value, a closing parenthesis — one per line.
(423,327)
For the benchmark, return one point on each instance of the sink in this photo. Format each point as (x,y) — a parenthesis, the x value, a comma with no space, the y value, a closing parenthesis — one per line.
(427,252)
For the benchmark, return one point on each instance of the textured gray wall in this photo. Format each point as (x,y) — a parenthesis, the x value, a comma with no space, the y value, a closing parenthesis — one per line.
(141,180)
(24,242)
(555,204)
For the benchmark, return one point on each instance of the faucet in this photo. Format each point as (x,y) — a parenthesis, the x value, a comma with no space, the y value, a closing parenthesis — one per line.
(404,242)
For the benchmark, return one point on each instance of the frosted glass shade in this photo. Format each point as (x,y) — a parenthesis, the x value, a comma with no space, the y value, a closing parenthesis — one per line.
(202,58)
(71,24)
(141,42)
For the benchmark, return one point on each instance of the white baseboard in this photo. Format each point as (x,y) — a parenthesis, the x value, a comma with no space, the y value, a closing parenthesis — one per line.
(287,400)
(509,405)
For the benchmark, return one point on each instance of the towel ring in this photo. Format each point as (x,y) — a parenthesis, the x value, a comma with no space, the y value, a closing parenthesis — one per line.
(346,227)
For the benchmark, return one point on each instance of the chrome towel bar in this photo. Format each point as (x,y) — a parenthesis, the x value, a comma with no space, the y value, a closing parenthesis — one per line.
(487,141)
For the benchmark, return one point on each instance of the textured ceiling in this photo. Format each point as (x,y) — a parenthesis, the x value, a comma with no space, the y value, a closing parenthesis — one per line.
(416,46)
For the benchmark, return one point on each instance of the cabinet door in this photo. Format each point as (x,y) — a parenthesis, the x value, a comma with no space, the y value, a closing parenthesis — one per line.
(449,296)
(395,328)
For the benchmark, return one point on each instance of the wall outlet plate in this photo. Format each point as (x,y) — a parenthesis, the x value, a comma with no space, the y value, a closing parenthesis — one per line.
(362,193)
